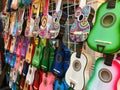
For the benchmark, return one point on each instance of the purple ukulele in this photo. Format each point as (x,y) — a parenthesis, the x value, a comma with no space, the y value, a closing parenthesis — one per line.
(24,47)
(81,27)
(55,25)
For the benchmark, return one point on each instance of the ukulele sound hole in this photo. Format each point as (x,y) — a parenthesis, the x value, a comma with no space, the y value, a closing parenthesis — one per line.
(105,75)
(30,71)
(81,17)
(108,19)
(58,58)
(76,65)
(37,53)
(58,88)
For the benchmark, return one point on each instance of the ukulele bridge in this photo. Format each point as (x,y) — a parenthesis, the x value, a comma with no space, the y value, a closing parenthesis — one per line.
(102,42)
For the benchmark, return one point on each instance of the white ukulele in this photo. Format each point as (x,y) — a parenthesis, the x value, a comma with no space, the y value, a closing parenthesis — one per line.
(75,75)
(30,74)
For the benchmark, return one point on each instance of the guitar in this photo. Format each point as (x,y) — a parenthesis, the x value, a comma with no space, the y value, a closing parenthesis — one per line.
(106,27)
(61,59)
(36,8)
(30,51)
(38,79)
(44,21)
(12,44)
(30,23)
(38,54)
(47,81)
(54,28)
(81,27)
(60,84)
(106,74)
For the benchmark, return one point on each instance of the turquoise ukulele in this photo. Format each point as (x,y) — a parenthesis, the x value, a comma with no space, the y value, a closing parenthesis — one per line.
(105,34)
(106,74)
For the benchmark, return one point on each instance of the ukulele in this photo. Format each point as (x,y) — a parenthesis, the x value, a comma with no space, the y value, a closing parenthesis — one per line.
(54,29)
(7,56)
(60,84)
(12,60)
(106,74)
(20,21)
(12,44)
(19,48)
(27,2)
(18,81)
(30,75)
(20,68)
(14,4)
(16,44)
(81,27)
(26,86)
(44,21)
(30,51)
(76,69)
(61,57)
(45,62)
(22,82)
(15,25)
(106,24)
(36,8)
(38,53)
(20,3)
(8,43)
(9,2)
(6,22)
(118,60)
(12,22)
(38,79)
(24,47)
(30,23)
(17,63)
(47,81)
(25,68)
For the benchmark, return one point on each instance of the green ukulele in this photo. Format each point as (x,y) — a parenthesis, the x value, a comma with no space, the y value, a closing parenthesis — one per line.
(105,34)
(38,54)
(48,56)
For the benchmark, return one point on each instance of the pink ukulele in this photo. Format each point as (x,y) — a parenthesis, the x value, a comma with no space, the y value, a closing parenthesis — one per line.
(47,81)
